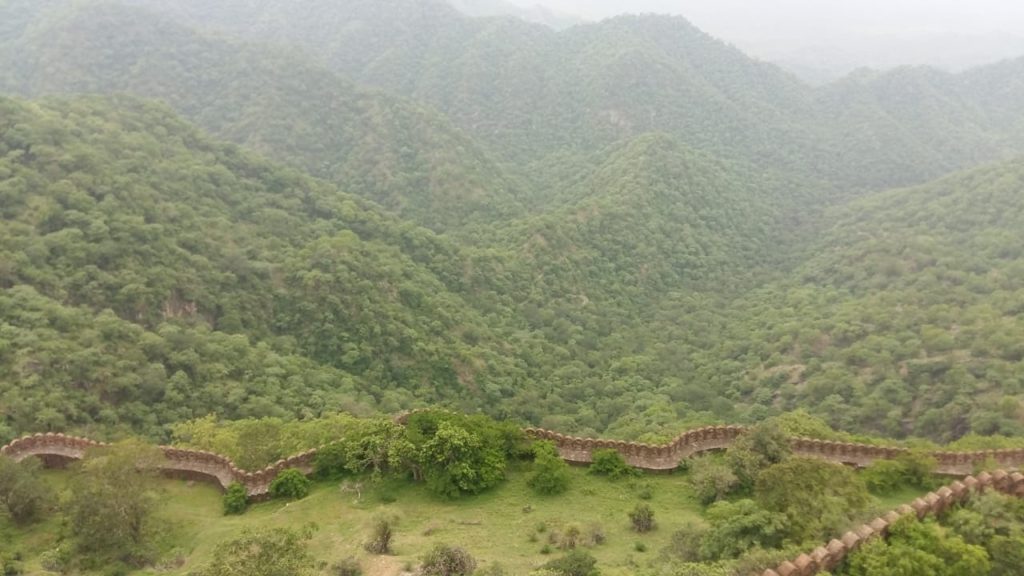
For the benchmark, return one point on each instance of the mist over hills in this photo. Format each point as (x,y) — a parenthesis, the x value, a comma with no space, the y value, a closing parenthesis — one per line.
(632,225)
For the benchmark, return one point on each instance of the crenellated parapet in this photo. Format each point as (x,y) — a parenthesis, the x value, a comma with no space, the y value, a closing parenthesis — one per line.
(57,450)
(831,555)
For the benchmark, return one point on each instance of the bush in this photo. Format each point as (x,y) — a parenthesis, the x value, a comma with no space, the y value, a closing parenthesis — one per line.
(884,476)
(347,567)
(596,535)
(570,538)
(380,538)
(22,492)
(265,552)
(235,499)
(448,561)
(642,518)
(331,462)
(608,462)
(551,473)
(711,480)
(575,563)
(640,546)
(291,484)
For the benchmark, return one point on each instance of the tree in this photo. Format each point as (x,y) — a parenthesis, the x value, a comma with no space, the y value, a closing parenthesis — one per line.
(550,473)
(711,479)
(763,445)
(735,527)
(112,503)
(265,552)
(291,484)
(915,548)
(444,560)
(816,496)
(457,461)
(23,493)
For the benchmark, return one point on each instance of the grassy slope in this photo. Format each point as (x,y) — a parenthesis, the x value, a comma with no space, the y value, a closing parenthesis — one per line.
(492,526)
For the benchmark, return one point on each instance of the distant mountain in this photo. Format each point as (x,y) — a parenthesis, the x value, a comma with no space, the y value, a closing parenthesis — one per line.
(536,14)
(538,98)
(406,158)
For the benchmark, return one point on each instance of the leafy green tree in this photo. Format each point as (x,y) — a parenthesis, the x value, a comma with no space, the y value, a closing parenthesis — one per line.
(23,493)
(112,504)
(711,479)
(550,473)
(762,446)
(817,497)
(736,527)
(915,548)
(265,552)
(457,461)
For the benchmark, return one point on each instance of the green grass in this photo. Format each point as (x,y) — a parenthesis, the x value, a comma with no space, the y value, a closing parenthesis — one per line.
(495,526)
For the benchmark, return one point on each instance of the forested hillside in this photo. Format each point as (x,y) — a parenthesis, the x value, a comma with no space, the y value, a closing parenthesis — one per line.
(400,155)
(642,227)
(536,96)
(151,275)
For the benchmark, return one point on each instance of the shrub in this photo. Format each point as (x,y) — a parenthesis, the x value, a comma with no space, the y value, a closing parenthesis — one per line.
(22,492)
(265,552)
(884,476)
(291,484)
(570,537)
(575,563)
(347,567)
(550,472)
(380,538)
(642,518)
(711,480)
(331,461)
(640,546)
(608,462)
(235,499)
(596,535)
(448,561)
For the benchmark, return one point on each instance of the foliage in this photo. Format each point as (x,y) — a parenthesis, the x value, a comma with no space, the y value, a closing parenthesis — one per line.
(762,446)
(236,499)
(445,560)
(267,552)
(22,492)
(914,547)
(575,563)
(642,518)
(111,507)
(912,469)
(551,473)
(608,462)
(817,497)
(736,527)
(711,479)
(347,567)
(291,484)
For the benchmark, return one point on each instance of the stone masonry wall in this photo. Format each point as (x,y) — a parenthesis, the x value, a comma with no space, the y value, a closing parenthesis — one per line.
(829,556)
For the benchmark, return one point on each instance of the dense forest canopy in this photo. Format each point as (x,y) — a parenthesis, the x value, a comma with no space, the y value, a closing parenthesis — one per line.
(620,228)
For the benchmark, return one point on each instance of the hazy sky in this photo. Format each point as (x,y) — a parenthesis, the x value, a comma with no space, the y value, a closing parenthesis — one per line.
(823,39)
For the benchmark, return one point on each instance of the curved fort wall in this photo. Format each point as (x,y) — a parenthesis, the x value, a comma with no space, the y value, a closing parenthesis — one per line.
(829,556)
(56,450)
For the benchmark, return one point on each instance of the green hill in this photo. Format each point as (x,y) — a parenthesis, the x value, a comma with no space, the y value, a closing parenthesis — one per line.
(128,237)
(402,156)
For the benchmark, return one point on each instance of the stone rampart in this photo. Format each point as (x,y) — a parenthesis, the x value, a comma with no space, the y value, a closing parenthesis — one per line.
(829,556)
(57,449)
